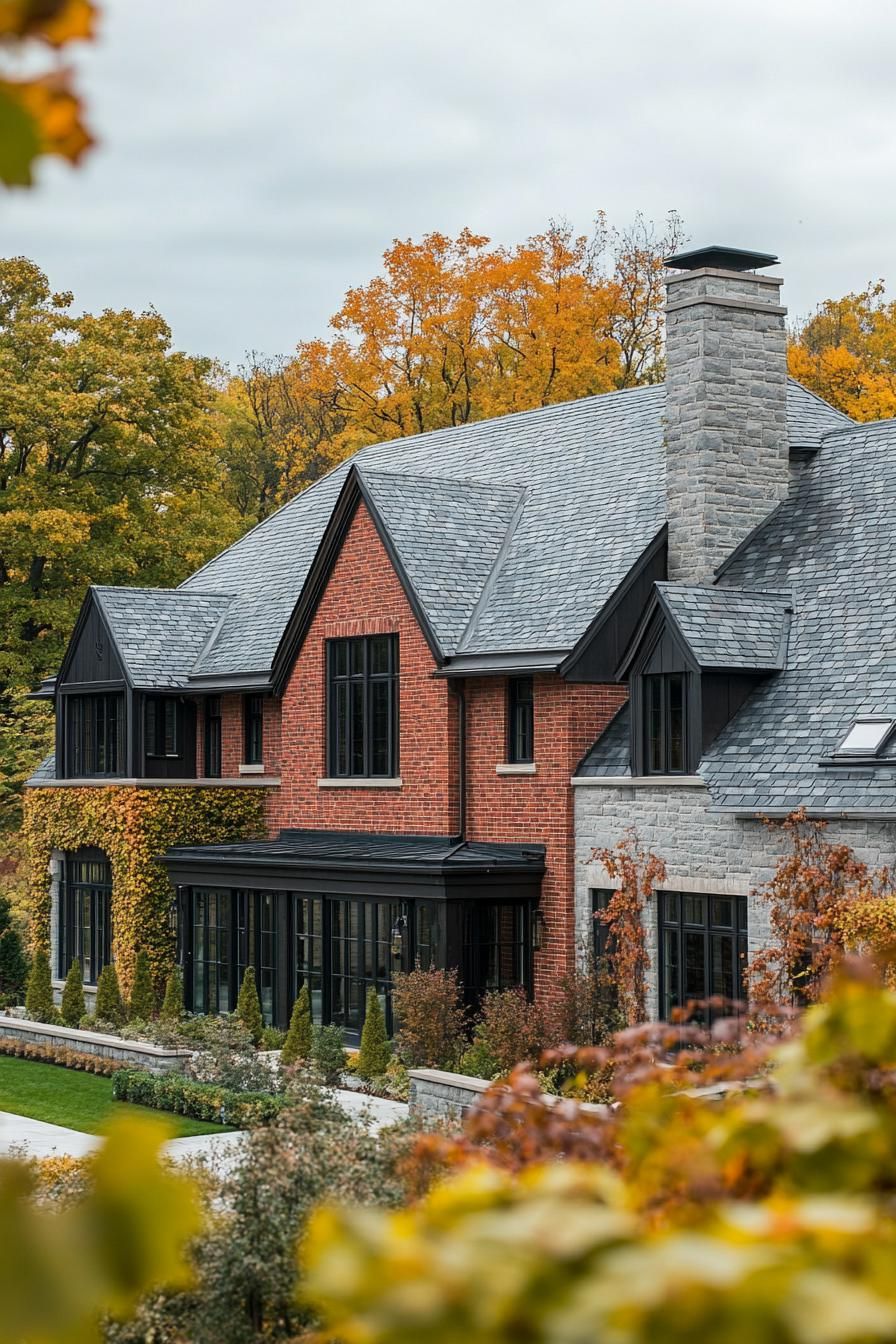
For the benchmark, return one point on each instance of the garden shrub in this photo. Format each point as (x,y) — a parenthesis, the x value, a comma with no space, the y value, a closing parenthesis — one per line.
(13,962)
(39,1005)
(329,1052)
(226,1055)
(272,1038)
(142,1007)
(173,1002)
(431,1018)
(375,1051)
(73,1008)
(510,1029)
(109,1006)
(200,1101)
(585,1009)
(247,1270)
(300,1037)
(248,1006)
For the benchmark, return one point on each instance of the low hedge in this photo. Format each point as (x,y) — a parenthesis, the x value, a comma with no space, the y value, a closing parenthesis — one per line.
(199,1101)
(59,1054)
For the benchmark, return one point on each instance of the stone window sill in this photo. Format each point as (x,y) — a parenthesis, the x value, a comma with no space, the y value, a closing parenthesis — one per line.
(516,768)
(250,769)
(359,783)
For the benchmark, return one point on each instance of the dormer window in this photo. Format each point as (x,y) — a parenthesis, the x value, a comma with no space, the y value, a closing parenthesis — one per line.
(866,737)
(665,724)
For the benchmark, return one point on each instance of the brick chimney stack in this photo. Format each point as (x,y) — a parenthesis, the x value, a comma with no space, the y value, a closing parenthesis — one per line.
(726,405)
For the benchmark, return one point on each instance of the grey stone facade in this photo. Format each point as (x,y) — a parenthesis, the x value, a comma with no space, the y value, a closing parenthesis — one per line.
(726,414)
(704,852)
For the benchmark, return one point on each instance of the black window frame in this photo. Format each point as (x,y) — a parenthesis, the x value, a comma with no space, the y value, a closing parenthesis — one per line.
(253,730)
(161,713)
(86,879)
(521,720)
(353,683)
(212,737)
(666,751)
(676,925)
(95,735)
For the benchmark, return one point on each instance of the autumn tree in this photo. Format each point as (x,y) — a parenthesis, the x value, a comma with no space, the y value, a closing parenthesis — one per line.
(109,473)
(452,331)
(846,352)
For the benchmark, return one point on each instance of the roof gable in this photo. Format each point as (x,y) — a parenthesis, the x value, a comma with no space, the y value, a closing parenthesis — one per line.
(160,633)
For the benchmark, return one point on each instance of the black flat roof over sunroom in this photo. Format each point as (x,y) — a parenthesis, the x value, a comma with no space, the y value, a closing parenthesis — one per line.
(438,867)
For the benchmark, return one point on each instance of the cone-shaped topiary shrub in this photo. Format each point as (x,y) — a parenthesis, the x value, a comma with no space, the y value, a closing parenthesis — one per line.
(173,1002)
(373,1056)
(248,1006)
(143,997)
(299,1039)
(73,1007)
(109,1003)
(13,962)
(39,1003)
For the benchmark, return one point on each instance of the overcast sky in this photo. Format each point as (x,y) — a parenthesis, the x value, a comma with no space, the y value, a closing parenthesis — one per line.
(256,158)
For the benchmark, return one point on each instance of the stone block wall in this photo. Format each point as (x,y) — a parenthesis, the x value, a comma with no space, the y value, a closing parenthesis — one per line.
(726,440)
(133,1054)
(704,852)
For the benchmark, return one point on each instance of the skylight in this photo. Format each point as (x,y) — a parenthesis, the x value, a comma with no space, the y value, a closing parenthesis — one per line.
(866,737)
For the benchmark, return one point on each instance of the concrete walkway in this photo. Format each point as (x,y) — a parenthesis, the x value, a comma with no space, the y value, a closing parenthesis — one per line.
(35,1138)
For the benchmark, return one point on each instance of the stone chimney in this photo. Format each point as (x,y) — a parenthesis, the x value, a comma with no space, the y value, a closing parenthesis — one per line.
(726,405)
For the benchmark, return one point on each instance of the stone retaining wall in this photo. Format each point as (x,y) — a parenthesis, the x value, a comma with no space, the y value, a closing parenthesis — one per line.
(138,1054)
(435,1095)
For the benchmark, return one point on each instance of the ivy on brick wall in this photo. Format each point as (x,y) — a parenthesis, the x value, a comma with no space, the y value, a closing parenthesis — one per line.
(132,826)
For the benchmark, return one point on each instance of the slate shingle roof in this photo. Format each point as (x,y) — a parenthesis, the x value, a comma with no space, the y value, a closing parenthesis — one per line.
(449,535)
(593,475)
(833,544)
(160,633)
(729,628)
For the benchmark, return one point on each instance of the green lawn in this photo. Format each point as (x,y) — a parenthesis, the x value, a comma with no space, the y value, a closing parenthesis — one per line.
(80,1101)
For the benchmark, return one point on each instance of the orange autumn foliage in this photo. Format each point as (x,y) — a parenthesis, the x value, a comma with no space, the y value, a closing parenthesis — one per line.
(638,873)
(846,352)
(452,331)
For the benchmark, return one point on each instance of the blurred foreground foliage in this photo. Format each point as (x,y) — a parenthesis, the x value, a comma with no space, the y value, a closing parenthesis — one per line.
(67,1264)
(758,1208)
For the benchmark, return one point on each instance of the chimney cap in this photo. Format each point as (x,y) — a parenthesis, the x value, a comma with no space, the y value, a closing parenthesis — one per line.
(721,258)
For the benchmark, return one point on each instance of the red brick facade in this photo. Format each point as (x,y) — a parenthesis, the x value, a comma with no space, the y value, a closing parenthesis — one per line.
(365,596)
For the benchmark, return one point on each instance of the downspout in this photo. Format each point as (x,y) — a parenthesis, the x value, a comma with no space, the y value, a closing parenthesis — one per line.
(457,687)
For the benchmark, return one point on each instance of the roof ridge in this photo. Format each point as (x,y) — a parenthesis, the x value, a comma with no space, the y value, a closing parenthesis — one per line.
(142,588)
(441,480)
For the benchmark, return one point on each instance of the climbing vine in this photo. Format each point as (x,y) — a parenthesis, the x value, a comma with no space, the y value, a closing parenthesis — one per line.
(638,873)
(821,900)
(132,826)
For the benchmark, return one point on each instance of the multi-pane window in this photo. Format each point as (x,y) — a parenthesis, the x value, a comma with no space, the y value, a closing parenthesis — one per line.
(363,706)
(85,915)
(161,719)
(212,737)
(361,955)
(214,990)
(308,951)
(665,728)
(94,735)
(496,953)
(703,947)
(253,729)
(520,720)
